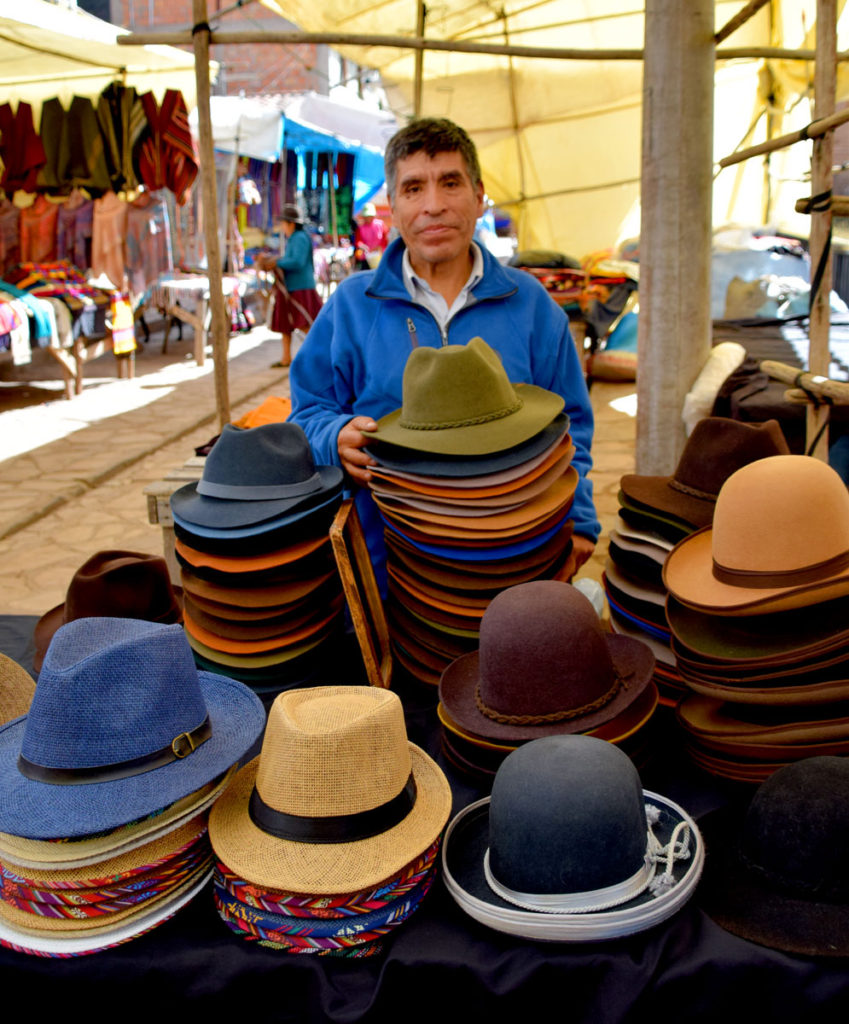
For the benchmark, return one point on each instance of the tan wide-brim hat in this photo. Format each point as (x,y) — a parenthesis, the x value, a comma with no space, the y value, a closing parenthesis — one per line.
(16,690)
(335,759)
(779,540)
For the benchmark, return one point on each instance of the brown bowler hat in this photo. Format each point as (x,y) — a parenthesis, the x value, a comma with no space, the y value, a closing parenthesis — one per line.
(780,540)
(717,448)
(120,584)
(544,666)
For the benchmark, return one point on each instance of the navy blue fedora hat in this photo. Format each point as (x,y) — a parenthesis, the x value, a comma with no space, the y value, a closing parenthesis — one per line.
(569,847)
(256,475)
(121,725)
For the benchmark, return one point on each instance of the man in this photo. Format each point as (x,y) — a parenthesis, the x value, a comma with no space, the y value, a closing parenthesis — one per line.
(434,286)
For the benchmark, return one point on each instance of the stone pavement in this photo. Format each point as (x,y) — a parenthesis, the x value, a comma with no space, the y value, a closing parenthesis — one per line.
(72,474)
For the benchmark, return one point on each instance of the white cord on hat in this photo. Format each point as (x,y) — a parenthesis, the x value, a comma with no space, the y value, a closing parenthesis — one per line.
(594,900)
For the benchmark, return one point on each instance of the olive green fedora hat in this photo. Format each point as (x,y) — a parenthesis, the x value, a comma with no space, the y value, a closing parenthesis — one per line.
(458,400)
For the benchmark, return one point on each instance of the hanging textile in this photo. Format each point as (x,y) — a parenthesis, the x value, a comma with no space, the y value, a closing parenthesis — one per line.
(20,148)
(38,231)
(122,123)
(148,241)
(166,156)
(74,231)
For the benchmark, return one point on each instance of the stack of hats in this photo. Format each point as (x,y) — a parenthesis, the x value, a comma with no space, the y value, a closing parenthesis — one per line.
(545,667)
(570,847)
(658,511)
(474,485)
(329,839)
(757,608)
(120,584)
(262,597)
(105,785)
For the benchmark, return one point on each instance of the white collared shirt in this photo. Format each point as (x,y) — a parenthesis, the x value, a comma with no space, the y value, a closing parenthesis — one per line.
(423,295)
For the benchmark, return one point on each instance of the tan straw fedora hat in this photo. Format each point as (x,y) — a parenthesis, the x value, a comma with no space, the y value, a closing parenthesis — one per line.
(337,801)
(16,689)
(780,540)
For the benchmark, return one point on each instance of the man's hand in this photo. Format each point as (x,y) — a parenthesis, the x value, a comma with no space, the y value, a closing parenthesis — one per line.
(350,444)
(582,548)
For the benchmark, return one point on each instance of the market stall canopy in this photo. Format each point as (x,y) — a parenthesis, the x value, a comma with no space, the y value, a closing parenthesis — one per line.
(559,140)
(48,50)
(249,126)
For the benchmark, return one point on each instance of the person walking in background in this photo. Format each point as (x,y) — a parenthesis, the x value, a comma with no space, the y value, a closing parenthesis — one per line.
(296,302)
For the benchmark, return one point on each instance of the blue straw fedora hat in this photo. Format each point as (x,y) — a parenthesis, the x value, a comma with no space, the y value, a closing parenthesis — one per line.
(570,848)
(121,725)
(253,476)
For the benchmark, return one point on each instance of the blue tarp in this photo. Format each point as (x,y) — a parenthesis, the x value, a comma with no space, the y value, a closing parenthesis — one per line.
(368,166)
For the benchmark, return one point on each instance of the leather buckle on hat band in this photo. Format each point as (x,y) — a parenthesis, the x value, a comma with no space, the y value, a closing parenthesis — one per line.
(180,747)
(336,828)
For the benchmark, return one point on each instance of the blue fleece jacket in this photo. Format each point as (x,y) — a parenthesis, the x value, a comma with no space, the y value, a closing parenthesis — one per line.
(352,362)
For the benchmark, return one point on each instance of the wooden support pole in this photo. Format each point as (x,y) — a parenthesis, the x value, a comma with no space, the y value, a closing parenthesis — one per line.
(220,327)
(674,330)
(839,206)
(448,45)
(814,130)
(825,81)
(418,81)
(740,18)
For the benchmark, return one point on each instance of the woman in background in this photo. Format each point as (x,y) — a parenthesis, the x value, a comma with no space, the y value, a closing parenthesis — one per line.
(296,302)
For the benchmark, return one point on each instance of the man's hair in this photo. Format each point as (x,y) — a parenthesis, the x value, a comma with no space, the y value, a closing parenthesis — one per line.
(432,135)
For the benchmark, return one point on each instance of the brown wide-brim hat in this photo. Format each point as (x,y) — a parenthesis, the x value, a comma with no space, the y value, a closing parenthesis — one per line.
(779,540)
(16,690)
(544,667)
(114,583)
(712,721)
(457,400)
(716,448)
(337,753)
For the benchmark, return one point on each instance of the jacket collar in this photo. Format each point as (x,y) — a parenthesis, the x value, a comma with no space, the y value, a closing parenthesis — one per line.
(388,280)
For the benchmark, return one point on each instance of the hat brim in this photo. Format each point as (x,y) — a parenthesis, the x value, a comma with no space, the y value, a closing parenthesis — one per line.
(632,659)
(740,901)
(41,810)
(222,513)
(466,842)
(266,528)
(490,553)
(153,915)
(455,464)
(327,868)
(267,560)
(688,576)
(657,492)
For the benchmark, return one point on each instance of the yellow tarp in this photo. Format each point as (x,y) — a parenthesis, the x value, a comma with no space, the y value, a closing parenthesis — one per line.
(560,141)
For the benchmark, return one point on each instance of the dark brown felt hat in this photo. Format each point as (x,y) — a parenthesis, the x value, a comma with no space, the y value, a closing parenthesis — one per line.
(118,584)
(716,448)
(544,666)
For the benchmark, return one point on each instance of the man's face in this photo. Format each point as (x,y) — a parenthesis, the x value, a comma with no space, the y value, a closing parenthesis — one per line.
(435,208)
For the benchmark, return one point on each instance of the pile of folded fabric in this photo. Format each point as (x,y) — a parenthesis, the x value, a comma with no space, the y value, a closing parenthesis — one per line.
(105,785)
(328,841)
(758,606)
(474,485)
(545,667)
(570,848)
(658,511)
(262,597)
